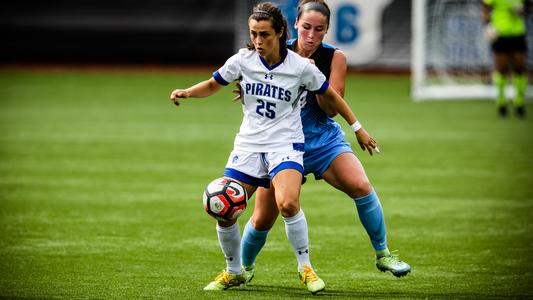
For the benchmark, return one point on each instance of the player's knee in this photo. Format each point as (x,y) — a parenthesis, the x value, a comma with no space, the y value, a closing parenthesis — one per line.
(289,208)
(359,188)
(263,222)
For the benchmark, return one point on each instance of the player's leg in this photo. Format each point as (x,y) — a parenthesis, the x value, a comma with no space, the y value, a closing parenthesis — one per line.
(519,81)
(287,190)
(228,233)
(229,239)
(286,179)
(256,230)
(347,174)
(499,76)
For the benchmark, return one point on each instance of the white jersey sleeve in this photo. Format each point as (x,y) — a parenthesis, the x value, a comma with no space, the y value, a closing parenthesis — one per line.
(314,80)
(230,71)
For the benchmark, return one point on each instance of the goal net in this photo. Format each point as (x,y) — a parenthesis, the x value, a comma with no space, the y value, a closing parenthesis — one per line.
(451,59)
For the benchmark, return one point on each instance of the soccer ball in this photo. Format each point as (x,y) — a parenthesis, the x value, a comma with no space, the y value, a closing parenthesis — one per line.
(225,199)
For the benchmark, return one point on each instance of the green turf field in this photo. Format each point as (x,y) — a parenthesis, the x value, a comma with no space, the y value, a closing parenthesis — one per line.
(101,180)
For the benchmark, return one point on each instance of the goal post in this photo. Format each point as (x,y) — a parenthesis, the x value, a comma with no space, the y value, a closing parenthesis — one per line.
(450,57)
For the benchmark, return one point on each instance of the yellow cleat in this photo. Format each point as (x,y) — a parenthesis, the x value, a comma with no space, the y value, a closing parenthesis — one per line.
(309,278)
(224,281)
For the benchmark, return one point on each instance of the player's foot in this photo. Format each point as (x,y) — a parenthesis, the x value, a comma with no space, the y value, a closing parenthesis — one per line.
(520,111)
(393,264)
(502,111)
(224,281)
(248,273)
(309,278)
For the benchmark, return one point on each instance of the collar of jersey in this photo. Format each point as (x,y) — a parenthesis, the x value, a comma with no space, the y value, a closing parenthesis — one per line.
(272,67)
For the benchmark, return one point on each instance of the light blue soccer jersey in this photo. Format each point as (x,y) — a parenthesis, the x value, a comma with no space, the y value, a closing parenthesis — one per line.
(319,129)
(324,138)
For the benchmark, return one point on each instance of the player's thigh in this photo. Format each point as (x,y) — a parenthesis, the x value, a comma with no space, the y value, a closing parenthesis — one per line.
(265,209)
(287,183)
(250,189)
(519,61)
(347,174)
(501,61)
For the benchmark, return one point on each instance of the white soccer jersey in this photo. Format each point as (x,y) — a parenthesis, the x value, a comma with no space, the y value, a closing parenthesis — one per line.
(270,96)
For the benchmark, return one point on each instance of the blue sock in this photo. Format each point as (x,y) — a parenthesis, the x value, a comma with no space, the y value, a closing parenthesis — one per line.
(251,243)
(371,216)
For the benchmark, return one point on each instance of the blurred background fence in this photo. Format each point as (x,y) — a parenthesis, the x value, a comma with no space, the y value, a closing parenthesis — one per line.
(375,34)
(162,31)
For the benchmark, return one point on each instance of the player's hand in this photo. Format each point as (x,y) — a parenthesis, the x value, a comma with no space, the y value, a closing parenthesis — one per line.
(176,94)
(366,141)
(237,91)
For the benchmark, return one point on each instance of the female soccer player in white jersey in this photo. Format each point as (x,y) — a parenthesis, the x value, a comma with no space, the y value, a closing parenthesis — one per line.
(268,150)
(327,155)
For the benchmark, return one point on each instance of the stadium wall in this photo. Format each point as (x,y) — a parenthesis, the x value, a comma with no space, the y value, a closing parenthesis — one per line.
(113,31)
(161,31)
(155,31)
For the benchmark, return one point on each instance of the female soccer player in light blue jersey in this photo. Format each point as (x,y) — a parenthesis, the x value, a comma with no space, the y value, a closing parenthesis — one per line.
(268,150)
(327,155)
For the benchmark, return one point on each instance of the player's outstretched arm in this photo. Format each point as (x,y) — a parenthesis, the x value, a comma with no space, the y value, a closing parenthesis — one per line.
(363,138)
(200,90)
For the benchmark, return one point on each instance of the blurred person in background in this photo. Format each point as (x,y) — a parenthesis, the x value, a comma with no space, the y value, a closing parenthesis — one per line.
(505,29)
(327,155)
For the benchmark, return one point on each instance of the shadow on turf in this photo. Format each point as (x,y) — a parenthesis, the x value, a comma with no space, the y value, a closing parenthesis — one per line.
(298,292)
(289,291)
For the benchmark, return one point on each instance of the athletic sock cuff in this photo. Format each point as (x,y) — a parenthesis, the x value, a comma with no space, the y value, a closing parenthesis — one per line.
(297,217)
(366,199)
(254,232)
(228,229)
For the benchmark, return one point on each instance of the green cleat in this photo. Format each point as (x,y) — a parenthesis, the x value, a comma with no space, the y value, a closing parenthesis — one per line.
(224,281)
(248,273)
(393,264)
(309,278)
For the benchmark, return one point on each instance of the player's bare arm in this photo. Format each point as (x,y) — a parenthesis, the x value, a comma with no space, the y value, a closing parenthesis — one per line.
(200,90)
(337,77)
(363,138)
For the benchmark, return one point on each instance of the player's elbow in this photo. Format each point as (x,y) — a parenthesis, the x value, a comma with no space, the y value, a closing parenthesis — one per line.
(331,113)
(327,107)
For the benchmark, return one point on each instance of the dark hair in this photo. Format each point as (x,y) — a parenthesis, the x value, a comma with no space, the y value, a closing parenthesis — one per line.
(318,5)
(268,11)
